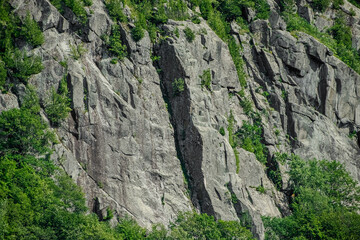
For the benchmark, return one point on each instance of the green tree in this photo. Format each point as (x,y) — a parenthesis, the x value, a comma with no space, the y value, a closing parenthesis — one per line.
(31,31)
(23,131)
(57,106)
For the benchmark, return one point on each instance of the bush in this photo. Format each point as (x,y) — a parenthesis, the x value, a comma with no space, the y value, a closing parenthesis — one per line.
(77,6)
(31,31)
(262,9)
(189,34)
(115,10)
(23,131)
(115,44)
(195,19)
(177,10)
(57,106)
(321,5)
(246,105)
(178,86)
(77,51)
(137,33)
(129,229)
(3,75)
(23,66)
(191,225)
(238,61)
(325,202)
(206,79)
(222,131)
(250,138)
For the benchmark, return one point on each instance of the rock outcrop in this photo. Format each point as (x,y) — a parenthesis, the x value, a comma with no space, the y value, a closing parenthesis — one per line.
(137,145)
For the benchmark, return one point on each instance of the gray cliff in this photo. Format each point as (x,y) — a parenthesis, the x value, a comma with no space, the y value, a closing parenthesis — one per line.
(136,146)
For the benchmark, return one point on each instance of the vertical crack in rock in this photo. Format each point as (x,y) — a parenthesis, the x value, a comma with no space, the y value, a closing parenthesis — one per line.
(188,140)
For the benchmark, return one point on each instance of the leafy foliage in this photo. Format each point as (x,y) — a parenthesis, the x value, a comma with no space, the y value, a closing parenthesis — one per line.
(178,86)
(325,201)
(250,137)
(115,44)
(77,6)
(222,131)
(189,34)
(77,51)
(232,140)
(23,131)
(17,65)
(246,105)
(191,225)
(31,31)
(115,10)
(137,33)
(57,106)
(22,66)
(206,79)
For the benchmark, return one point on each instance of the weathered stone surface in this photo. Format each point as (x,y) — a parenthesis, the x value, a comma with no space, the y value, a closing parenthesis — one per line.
(130,131)
(8,101)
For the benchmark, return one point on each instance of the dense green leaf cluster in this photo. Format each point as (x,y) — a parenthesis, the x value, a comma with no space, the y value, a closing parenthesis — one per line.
(178,86)
(57,106)
(77,6)
(206,79)
(325,201)
(115,44)
(16,64)
(249,137)
(189,34)
(22,131)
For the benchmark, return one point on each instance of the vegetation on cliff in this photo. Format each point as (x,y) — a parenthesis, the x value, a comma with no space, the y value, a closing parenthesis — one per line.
(38,200)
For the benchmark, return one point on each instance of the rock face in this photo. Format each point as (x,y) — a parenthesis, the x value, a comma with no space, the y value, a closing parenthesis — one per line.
(138,145)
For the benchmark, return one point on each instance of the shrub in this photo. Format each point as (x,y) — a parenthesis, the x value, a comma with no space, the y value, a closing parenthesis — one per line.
(205,8)
(77,6)
(246,105)
(137,33)
(23,131)
(87,3)
(352,12)
(262,9)
(250,137)
(341,32)
(321,5)
(23,66)
(177,10)
(31,31)
(129,229)
(261,189)
(325,202)
(3,74)
(176,32)
(238,61)
(191,225)
(206,79)
(115,44)
(160,17)
(77,51)
(178,86)
(222,131)
(115,10)
(189,34)
(195,19)
(57,106)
